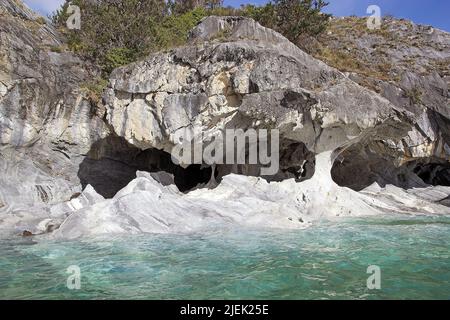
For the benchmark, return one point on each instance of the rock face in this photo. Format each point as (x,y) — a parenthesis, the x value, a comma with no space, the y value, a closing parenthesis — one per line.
(145,205)
(408,64)
(46,123)
(62,155)
(238,74)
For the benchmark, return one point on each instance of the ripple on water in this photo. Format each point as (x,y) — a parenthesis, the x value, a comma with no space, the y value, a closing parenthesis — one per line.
(326,261)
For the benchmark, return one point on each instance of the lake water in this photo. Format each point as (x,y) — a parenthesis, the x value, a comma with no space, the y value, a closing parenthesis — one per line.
(326,261)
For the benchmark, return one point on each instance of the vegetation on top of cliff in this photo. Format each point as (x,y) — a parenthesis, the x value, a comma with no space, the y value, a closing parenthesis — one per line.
(114,33)
(384,53)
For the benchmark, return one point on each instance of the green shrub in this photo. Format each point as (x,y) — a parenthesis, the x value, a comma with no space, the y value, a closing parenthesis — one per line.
(111,32)
(173,30)
(183,6)
(114,33)
(297,20)
(117,57)
(265,15)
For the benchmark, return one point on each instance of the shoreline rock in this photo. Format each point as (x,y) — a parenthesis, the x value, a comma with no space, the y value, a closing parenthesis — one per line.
(334,133)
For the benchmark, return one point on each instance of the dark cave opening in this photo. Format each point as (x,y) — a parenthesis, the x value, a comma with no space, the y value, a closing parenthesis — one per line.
(192,176)
(359,167)
(296,161)
(112,163)
(436,174)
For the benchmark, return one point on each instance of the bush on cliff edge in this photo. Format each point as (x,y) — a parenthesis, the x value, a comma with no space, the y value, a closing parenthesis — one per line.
(114,33)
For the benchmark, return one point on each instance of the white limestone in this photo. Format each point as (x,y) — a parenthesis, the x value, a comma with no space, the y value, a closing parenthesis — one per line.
(147,206)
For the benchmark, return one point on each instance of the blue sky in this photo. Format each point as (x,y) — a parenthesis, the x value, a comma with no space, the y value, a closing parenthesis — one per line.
(433,12)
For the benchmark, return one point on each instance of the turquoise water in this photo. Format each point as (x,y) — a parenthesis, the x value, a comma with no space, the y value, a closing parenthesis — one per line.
(326,261)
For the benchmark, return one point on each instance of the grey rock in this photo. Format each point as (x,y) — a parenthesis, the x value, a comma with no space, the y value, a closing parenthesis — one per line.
(252,77)
(62,155)
(47,124)
(415,61)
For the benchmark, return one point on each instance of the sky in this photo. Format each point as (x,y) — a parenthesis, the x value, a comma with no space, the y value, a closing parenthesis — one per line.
(432,12)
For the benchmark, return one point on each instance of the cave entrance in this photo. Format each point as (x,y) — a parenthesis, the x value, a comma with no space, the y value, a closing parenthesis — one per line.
(295,162)
(112,163)
(359,167)
(436,174)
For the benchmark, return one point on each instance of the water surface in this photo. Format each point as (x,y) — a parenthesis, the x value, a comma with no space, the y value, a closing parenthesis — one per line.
(326,261)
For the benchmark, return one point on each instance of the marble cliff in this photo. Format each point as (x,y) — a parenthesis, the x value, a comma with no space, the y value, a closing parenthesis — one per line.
(72,167)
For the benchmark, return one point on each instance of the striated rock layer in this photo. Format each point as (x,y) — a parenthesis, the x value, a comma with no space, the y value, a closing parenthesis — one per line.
(408,64)
(75,168)
(46,122)
(238,74)
(145,205)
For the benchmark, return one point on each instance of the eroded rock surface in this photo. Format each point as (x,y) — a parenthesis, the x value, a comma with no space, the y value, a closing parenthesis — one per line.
(145,205)
(252,78)
(408,64)
(80,168)
(46,123)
